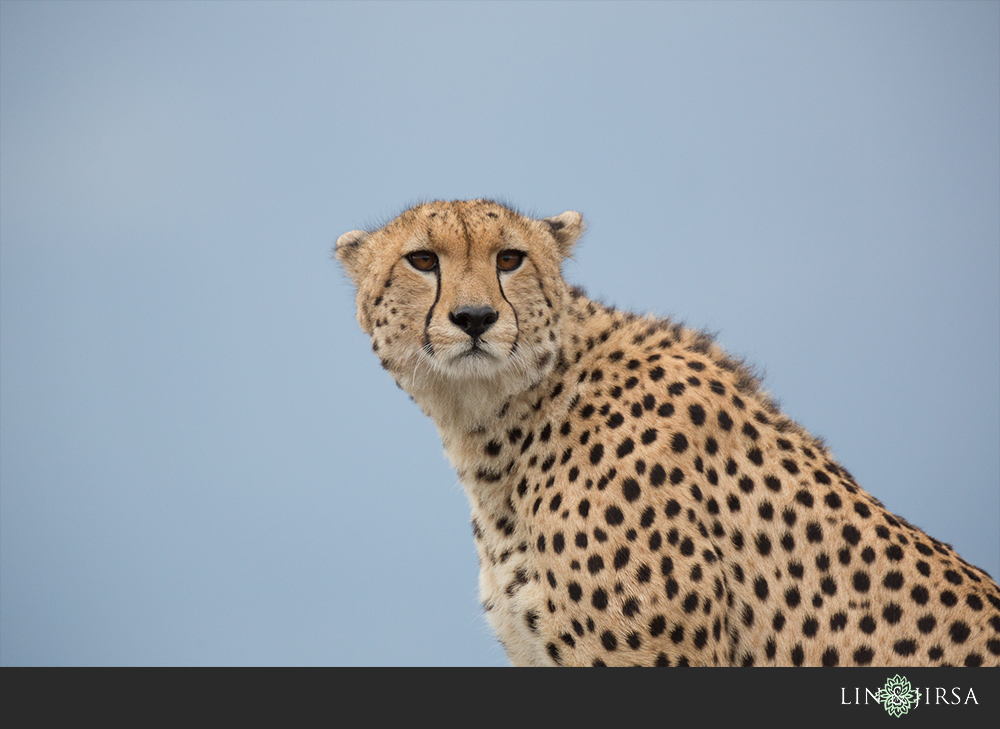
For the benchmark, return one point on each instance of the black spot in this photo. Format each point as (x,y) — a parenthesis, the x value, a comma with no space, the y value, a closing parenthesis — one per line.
(861,581)
(798,656)
(609,641)
(596,453)
(959,632)
(830,657)
(892,613)
(863,656)
(905,647)
(558,542)
(792,597)
(648,517)
(851,534)
(813,532)
(531,620)
(867,624)
(648,436)
(621,558)
(760,588)
(575,592)
(763,544)
(613,516)
(654,541)
(697,413)
(790,466)
(691,602)
(679,443)
(630,489)
(657,475)
(599,599)
(615,420)
(725,422)
(893,580)
(926,623)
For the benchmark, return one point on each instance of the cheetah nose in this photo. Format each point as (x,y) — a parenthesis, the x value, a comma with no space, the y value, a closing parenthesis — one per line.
(473,320)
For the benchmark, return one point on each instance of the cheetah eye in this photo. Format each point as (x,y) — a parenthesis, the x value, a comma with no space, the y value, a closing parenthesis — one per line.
(423,260)
(509,260)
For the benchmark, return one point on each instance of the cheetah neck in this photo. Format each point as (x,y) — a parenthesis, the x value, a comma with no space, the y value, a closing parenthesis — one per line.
(470,414)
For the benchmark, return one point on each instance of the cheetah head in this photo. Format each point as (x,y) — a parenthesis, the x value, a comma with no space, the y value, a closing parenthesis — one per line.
(464,290)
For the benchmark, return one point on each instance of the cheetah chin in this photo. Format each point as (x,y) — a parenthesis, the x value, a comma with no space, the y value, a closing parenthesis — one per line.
(636,498)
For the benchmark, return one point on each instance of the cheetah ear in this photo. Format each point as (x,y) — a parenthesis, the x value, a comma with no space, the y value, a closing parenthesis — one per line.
(347,251)
(566,229)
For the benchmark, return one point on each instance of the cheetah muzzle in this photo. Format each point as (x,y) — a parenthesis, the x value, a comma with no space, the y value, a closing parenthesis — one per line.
(636,498)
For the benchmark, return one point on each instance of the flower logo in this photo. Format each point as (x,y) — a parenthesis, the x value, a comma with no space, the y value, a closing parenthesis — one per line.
(897,696)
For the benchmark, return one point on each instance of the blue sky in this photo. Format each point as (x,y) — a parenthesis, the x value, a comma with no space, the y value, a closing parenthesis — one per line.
(202,462)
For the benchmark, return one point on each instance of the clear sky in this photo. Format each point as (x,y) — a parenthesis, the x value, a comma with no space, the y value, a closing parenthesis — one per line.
(201,461)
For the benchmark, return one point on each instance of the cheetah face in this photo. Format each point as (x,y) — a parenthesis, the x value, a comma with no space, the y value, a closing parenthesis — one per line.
(461,290)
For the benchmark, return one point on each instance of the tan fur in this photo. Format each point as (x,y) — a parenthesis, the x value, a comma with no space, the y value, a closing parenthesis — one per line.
(636,499)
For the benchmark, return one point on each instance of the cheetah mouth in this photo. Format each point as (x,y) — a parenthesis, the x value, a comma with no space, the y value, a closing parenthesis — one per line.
(475,351)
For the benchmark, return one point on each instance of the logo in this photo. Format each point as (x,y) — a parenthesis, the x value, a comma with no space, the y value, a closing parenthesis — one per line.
(897,696)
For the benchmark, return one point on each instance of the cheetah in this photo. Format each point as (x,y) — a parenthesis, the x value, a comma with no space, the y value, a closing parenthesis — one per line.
(636,497)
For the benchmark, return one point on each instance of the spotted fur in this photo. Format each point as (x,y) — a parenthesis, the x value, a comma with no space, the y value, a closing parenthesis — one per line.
(636,497)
